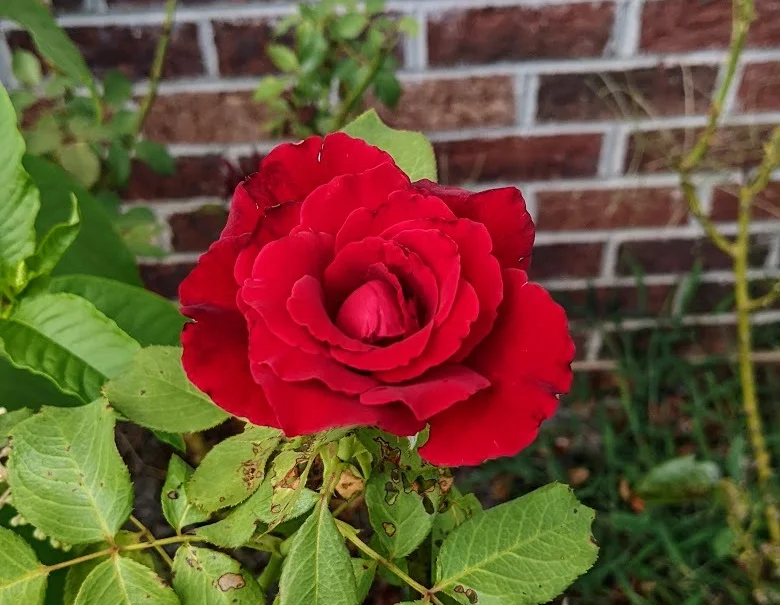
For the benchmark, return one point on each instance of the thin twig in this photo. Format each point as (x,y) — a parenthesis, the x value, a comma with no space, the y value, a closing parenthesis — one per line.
(146,533)
(692,197)
(762,302)
(157,66)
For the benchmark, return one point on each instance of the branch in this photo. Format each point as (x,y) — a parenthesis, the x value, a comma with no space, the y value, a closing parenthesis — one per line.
(157,66)
(150,538)
(762,302)
(692,197)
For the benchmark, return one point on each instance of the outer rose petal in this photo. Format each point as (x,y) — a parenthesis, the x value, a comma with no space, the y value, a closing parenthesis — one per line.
(308,407)
(293,170)
(211,283)
(326,208)
(503,213)
(432,393)
(527,359)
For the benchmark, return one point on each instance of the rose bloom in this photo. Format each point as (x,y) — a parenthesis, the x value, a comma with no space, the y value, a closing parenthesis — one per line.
(342,294)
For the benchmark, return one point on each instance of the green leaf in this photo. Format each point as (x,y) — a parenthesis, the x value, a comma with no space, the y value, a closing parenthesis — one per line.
(19,200)
(20,387)
(155,156)
(177,508)
(318,569)
(283,57)
(150,319)
(123,122)
(175,440)
(67,339)
(98,249)
(409,26)
(680,480)
(78,573)
(365,570)
(45,137)
(461,509)
(155,392)
(205,577)
(54,244)
(117,88)
(410,150)
(81,162)
(269,88)
(349,26)
(22,99)
(397,514)
(387,88)
(522,552)
(67,476)
(26,67)
(122,581)
(8,420)
(22,577)
(118,162)
(233,469)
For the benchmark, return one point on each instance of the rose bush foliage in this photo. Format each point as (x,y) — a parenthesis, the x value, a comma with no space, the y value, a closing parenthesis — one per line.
(340,294)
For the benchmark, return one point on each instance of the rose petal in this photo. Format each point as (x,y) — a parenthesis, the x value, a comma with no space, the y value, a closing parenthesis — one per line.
(432,393)
(502,211)
(277,267)
(445,341)
(400,206)
(309,407)
(478,266)
(215,360)
(326,208)
(293,365)
(211,282)
(527,360)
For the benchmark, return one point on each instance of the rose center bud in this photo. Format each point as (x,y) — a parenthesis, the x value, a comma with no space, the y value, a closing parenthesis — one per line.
(371,313)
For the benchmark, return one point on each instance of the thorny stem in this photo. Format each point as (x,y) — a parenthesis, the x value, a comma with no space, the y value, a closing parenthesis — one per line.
(157,66)
(744,14)
(350,533)
(146,533)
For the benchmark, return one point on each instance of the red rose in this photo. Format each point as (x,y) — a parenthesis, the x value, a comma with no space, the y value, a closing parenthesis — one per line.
(342,294)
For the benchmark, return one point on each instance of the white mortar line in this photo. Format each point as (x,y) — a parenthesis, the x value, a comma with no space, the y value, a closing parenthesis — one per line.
(731,102)
(208,48)
(628,28)
(720,319)
(773,258)
(421,41)
(660,279)
(609,258)
(593,347)
(526,88)
(612,156)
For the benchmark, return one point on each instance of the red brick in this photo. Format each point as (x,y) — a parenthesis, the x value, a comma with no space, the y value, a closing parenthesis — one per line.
(195,177)
(719,298)
(241,47)
(165,279)
(732,146)
(619,301)
(518,158)
(760,88)
(223,117)
(609,209)
(487,35)
(680,255)
(765,207)
(449,104)
(636,94)
(195,231)
(566,260)
(67,6)
(690,25)
(131,49)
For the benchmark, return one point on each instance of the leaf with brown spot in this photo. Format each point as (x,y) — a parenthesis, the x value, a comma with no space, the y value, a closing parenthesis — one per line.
(214,579)
(178,509)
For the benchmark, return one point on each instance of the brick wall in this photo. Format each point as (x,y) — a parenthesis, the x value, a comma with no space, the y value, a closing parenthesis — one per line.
(580,103)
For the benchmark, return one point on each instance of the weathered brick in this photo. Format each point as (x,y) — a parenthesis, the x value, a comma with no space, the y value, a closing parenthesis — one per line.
(613,302)
(198,176)
(164,279)
(131,49)
(679,255)
(609,209)
(241,47)
(67,6)
(766,206)
(732,146)
(760,88)
(195,231)
(518,158)
(712,297)
(222,117)
(486,35)
(689,25)
(566,260)
(449,104)
(660,91)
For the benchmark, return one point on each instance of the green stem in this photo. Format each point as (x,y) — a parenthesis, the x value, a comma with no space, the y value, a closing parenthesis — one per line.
(767,299)
(271,572)
(157,66)
(350,533)
(146,533)
(354,98)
